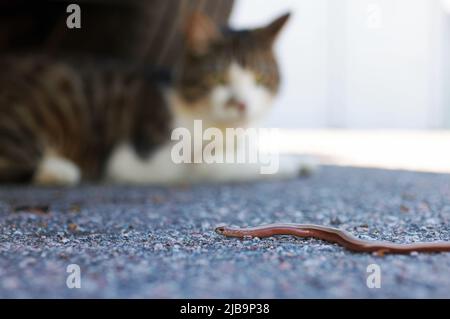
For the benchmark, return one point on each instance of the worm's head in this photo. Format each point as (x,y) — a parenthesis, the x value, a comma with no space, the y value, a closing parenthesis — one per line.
(220,229)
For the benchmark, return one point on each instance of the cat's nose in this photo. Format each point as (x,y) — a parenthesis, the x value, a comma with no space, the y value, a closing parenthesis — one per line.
(239,105)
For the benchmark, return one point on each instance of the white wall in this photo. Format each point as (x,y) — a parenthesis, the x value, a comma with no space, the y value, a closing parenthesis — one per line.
(389,67)
(445,65)
(357,63)
(302,54)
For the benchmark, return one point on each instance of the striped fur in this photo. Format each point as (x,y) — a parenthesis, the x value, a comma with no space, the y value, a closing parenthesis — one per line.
(77,111)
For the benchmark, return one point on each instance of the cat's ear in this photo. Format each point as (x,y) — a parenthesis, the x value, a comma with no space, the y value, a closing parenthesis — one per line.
(200,32)
(270,32)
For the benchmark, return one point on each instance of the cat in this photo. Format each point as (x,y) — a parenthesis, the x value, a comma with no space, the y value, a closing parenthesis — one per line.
(64,121)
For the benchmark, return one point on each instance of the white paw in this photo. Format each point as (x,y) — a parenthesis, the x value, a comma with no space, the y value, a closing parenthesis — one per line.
(125,166)
(54,170)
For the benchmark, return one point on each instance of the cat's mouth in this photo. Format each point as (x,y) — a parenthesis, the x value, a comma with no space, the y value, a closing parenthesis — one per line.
(240,106)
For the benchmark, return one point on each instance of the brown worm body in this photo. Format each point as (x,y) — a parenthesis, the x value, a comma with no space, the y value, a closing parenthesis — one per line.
(334,235)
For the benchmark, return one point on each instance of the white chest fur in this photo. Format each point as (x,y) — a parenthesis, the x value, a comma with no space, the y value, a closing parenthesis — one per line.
(213,110)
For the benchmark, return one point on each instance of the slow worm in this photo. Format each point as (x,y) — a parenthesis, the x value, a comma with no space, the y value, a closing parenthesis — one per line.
(334,235)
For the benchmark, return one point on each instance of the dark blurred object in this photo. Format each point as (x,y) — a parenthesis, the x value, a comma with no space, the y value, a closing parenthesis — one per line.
(135,29)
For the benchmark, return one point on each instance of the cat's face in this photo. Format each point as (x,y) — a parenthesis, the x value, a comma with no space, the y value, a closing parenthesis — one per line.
(228,78)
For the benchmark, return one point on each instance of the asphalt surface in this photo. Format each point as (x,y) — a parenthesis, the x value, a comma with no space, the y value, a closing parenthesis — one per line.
(155,242)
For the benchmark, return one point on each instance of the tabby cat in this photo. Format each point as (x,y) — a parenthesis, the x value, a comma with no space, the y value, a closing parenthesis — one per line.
(63,121)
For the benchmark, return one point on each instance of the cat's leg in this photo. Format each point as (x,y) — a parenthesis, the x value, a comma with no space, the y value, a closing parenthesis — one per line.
(271,168)
(56,170)
(126,166)
(224,172)
(24,164)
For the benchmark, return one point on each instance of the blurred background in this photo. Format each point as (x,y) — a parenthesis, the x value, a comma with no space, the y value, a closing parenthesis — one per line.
(365,82)
(360,63)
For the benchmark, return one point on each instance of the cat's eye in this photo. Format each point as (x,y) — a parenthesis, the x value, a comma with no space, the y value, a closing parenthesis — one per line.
(220,79)
(259,78)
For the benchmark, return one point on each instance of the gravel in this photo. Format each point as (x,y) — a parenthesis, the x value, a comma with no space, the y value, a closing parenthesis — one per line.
(156,242)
